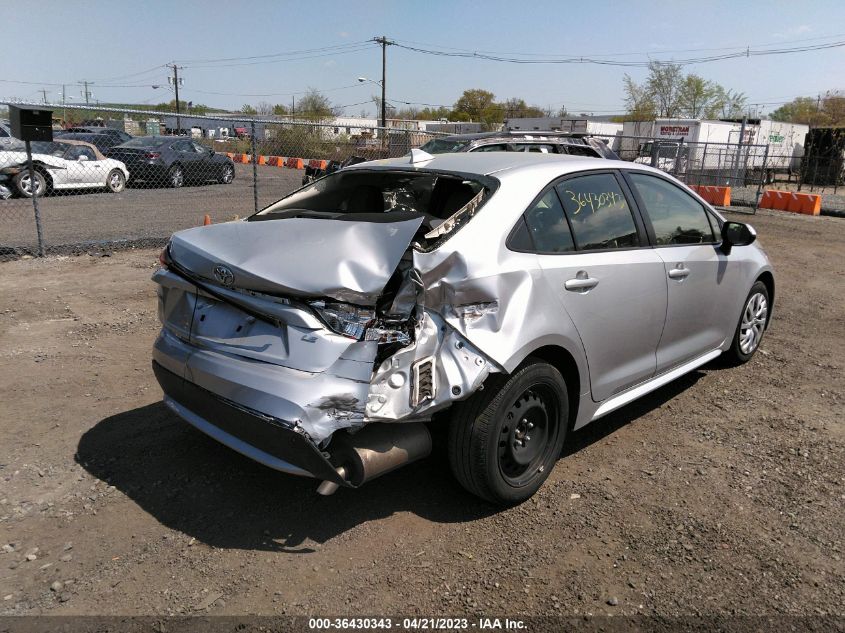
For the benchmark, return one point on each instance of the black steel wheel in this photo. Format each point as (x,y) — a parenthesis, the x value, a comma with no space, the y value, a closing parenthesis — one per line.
(504,440)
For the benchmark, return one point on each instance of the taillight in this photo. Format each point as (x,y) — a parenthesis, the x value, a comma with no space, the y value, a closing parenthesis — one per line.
(164,258)
(152,155)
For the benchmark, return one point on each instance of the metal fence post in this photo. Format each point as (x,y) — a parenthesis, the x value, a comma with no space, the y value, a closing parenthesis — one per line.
(254,168)
(33,188)
(762,178)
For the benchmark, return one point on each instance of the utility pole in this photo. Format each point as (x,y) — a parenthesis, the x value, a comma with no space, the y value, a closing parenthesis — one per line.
(64,109)
(86,94)
(293,108)
(175,80)
(384,44)
(43,95)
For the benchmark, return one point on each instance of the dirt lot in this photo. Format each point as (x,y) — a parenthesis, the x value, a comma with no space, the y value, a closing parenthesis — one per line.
(721,493)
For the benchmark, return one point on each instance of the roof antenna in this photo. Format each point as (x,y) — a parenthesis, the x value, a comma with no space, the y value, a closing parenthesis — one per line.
(419,156)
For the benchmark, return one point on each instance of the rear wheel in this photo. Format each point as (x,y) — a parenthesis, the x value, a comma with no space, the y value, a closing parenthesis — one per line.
(505,439)
(25,186)
(752,325)
(176,177)
(116,181)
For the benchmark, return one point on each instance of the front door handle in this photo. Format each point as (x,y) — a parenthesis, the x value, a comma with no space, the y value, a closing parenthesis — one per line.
(679,273)
(581,283)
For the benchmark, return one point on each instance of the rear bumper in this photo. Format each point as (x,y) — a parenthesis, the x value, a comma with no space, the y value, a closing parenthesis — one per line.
(278,444)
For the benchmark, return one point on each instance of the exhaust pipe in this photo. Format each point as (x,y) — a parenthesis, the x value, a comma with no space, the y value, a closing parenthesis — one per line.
(375,450)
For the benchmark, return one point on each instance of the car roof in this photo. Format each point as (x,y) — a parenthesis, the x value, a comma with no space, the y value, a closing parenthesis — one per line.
(507,164)
(514,135)
(73,141)
(486,163)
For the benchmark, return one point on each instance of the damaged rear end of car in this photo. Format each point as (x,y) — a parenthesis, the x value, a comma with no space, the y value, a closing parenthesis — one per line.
(307,337)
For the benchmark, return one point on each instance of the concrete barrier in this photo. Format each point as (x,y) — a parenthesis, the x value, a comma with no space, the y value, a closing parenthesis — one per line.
(793,201)
(719,196)
(295,163)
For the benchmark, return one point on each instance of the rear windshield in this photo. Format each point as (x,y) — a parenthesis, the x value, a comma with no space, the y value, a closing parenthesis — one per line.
(145,141)
(443,146)
(374,196)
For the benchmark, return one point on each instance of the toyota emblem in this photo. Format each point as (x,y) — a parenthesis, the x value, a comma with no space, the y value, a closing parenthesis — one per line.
(224,275)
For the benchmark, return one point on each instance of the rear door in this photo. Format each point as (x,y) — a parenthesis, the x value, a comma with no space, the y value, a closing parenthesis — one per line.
(595,255)
(702,281)
(190,160)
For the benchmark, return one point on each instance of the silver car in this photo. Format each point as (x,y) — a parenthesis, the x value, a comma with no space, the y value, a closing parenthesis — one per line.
(514,297)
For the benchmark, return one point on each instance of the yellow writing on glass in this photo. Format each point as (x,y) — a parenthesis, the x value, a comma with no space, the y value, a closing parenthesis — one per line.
(593,200)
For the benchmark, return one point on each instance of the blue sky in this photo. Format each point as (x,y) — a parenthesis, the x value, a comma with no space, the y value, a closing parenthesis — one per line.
(117,44)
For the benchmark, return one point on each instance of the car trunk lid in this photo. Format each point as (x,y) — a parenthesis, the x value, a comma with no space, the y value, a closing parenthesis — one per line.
(349,261)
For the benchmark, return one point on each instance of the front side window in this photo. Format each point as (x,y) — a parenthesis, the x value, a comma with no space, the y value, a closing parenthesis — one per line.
(496,147)
(676,216)
(598,212)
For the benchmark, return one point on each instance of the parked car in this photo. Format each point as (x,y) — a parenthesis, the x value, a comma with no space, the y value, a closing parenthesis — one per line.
(521,295)
(110,136)
(540,142)
(172,161)
(7,141)
(103,142)
(60,165)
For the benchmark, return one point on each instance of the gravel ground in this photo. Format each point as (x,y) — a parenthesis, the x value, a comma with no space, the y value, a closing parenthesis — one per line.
(722,493)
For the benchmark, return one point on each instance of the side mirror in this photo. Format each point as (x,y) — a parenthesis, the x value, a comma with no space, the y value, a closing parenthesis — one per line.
(81,158)
(736,234)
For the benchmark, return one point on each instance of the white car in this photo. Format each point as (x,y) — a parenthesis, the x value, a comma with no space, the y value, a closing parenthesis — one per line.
(63,164)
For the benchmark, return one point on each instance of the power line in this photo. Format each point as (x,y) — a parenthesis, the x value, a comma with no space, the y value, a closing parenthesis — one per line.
(322,49)
(556,59)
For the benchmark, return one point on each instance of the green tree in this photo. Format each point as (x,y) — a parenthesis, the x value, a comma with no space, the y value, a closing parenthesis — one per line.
(315,106)
(638,101)
(664,85)
(828,110)
(248,109)
(517,108)
(730,104)
(280,110)
(473,102)
(697,97)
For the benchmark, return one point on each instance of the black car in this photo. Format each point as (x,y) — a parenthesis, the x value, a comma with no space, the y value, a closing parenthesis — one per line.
(106,137)
(541,142)
(172,161)
(103,142)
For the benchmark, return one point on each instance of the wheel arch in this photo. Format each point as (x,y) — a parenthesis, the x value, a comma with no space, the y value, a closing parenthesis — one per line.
(564,361)
(768,280)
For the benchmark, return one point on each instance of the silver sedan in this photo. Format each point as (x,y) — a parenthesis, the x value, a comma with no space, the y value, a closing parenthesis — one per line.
(518,296)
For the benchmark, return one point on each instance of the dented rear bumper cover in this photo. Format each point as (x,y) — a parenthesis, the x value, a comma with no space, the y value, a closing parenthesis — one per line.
(279,444)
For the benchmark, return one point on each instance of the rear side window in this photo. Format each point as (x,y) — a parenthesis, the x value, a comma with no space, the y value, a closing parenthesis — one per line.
(547,226)
(579,150)
(598,212)
(676,216)
(498,147)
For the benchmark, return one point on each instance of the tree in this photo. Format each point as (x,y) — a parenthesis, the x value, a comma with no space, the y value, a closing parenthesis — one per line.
(248,109)
(814,111)
(473,102)
(664,86)
(697,97)
(730,104)
(279,109)
(264,108)
(315,106)
(638,101)
(517,108)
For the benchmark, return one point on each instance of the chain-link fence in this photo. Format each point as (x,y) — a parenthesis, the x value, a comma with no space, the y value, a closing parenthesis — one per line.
(742,167)
(115,177)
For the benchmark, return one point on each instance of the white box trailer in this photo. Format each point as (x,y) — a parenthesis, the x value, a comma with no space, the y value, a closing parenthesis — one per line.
(785,143)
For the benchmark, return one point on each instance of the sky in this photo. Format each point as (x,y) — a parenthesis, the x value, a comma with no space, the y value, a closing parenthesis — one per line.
(122,48)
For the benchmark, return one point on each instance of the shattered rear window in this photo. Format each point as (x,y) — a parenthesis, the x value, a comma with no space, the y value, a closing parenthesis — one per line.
(443,146)
(379,195)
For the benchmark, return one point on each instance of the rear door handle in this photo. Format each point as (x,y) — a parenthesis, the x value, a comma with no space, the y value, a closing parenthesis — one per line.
(581,283)
(679,273)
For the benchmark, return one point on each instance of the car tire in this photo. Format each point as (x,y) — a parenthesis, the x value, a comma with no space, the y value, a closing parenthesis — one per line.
(491,451)
(227,175)
(116,181)
(175,177)
(751,326)
(42,184)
